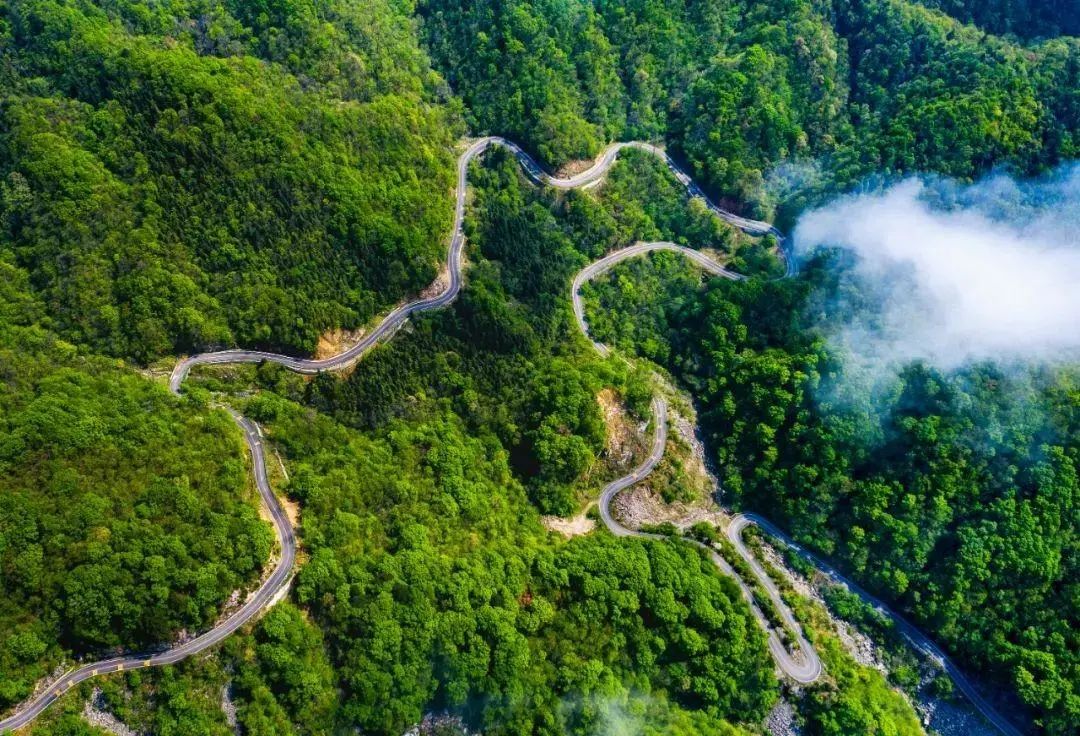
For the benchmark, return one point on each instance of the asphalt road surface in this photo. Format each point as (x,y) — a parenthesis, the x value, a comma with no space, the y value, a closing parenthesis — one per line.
(401,314)
(803,667)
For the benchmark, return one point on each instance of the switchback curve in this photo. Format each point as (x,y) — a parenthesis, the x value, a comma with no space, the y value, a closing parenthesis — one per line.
(398,316)
(803,667)
(274,586)
(801,671)
(601,265)
(915,637)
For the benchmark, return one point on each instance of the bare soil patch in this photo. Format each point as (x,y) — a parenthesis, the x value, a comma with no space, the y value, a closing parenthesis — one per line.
(334,342)
(575,526)
(292,510)
(442,280)
(573,168)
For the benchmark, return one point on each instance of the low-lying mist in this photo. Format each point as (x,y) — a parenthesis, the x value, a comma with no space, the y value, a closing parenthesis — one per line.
(952,275)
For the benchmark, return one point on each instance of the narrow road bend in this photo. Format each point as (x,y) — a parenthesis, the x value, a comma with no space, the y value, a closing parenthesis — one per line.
(264,596)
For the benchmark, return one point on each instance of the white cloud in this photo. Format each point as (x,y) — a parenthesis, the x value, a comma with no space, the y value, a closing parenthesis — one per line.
(994,275)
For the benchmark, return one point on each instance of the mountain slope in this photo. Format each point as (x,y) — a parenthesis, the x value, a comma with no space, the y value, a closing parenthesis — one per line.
(171,185)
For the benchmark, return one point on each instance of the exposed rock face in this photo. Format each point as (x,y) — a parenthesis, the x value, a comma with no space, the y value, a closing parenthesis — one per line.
(781,720)
(440,724)
(95,714)
(639,505)
(228,707)
(623,438)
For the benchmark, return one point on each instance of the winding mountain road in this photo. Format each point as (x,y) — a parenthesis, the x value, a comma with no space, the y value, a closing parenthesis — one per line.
(802,669)
(656,452)
(388,326)
(601,265)
(276,583)
(804,666)
(401,314)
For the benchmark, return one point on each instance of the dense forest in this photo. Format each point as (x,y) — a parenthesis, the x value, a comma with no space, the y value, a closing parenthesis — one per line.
(737,88)
(124,517)
(168,190)
(984,551)
(1024,18)
(432,582)
(191,174)
(428,583)
(258,173)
